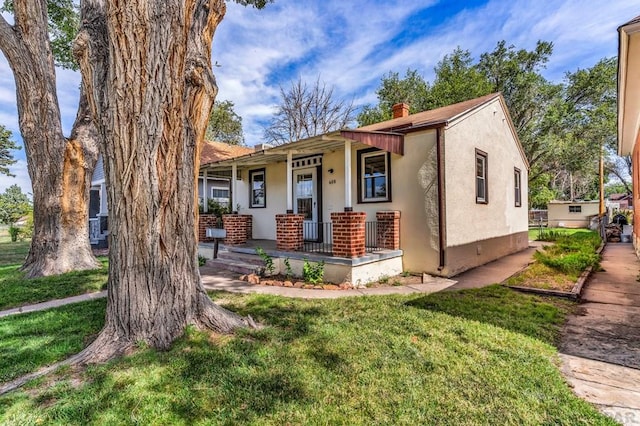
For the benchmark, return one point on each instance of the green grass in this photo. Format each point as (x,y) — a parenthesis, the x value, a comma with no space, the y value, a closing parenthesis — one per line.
(559,265)
(16,290)
(469,357)
(534,233)
(33,340)
(13,253)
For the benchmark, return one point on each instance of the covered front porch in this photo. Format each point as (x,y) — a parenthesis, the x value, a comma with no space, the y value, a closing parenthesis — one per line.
(300,196)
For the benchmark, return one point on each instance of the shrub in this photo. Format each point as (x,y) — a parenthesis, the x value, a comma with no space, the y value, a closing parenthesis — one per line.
(571,254)
(313,272)
(269,267)
(14,232)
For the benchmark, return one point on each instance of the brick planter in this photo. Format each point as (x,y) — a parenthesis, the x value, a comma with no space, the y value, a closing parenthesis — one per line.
(348,233)
(289,232)
(238,227)
(388,230)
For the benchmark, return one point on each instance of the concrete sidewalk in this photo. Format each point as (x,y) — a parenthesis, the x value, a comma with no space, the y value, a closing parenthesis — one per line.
(53,303)
(600,346)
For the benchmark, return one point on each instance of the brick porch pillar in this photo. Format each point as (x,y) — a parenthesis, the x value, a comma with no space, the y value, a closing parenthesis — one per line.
(388,230)
(289,231)
(205,221)
(348,233)
(238,227)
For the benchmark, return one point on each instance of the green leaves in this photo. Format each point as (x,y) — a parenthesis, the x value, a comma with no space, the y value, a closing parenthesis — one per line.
(6,145)
(13,205)
(224,124)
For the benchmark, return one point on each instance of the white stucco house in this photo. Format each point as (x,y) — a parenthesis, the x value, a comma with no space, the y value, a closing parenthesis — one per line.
(440,192)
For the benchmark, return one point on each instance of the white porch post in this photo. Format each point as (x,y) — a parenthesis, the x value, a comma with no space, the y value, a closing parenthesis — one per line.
(205,197)
(347,176)
(289,182)
(234,177)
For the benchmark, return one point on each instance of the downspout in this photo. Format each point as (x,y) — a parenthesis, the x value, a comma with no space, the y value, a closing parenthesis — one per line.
(441,197)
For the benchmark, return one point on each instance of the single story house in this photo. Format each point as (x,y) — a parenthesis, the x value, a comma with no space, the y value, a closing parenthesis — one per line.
(629,110)
(210,187)
(440,191)
(572,214)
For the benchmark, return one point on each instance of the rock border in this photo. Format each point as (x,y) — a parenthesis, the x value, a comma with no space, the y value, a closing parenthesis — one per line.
(575,292)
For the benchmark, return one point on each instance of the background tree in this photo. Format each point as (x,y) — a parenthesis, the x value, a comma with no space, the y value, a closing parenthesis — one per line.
(60,169)
(224,124)
(457,79)
(412,89)
(151,139)
(307,111)
(14,204)
(6,145)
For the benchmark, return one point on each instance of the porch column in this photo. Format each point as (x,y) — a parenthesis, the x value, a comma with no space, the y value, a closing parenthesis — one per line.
(289,182)
(347,176)
(348,233)
(205,198)
(234,177)
(289,232)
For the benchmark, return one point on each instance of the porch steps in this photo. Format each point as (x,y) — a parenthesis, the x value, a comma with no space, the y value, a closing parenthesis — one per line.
(237,262)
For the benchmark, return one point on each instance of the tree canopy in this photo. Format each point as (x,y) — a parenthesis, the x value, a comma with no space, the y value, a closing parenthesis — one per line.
(225,125)
(6,145)
(13,205)
(561,126)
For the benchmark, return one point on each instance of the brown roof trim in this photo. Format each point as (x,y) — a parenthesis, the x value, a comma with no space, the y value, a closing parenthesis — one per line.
(390,142)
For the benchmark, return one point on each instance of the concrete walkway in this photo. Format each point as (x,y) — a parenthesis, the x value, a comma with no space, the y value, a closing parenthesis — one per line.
(600,346)
(53,303)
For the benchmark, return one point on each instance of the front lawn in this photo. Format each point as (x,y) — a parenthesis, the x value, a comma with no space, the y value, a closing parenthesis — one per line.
(16,290)
(470,357)
(541,234)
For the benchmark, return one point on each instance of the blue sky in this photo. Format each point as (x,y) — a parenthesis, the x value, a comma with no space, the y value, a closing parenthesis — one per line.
(351,44)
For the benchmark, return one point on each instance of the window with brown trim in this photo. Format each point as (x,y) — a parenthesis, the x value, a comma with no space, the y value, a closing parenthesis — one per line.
(374,176)
(482,186)
(517,186)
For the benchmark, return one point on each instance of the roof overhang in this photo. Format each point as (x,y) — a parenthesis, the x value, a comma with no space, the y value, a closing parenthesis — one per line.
(628,86)
(328,142)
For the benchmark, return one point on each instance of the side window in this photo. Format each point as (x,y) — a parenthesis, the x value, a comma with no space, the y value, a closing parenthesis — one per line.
(575,209)
(482,187)
(257,189)
(517,186)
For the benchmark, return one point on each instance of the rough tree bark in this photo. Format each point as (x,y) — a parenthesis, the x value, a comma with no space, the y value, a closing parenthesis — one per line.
(147,65)
(60,168)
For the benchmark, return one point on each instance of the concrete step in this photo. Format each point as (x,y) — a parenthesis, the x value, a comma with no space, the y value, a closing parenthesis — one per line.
(234,266)
(252,259)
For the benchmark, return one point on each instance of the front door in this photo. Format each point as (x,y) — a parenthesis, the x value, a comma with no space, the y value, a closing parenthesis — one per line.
(305,201)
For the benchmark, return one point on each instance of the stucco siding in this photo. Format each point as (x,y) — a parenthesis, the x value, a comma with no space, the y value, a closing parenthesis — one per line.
(264,219)
(467,221)
(414,193)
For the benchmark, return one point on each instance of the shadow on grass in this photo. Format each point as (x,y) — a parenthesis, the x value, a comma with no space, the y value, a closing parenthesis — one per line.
(534,316)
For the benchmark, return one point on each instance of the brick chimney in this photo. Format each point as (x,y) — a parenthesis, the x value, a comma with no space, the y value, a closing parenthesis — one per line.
(400,110)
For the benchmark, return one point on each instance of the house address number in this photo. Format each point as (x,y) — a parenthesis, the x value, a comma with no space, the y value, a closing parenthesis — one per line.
(332,181)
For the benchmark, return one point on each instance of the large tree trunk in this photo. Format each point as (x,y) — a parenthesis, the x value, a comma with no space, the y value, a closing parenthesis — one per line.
(148,69)
(60,169)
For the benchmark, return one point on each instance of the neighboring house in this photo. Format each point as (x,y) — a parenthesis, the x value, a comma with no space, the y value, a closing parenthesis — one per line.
(629,110)
(572,214)
(210,186)
(620,201)
(439,191)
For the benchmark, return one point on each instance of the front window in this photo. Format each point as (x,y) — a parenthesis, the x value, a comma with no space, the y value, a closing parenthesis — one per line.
(482,189)
(258,189)
(374,177)
(517,182)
